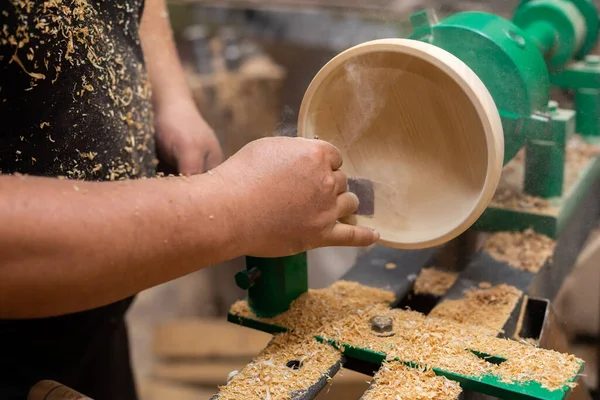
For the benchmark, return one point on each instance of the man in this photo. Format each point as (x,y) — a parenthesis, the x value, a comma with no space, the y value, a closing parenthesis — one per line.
(76,103)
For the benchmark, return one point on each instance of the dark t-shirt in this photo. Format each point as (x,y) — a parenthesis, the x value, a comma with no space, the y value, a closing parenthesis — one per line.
(74,103)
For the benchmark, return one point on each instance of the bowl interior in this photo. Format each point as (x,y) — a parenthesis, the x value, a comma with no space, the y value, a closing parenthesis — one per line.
(407,126)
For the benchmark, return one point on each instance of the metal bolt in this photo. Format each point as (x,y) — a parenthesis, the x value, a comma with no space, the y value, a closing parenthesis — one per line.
(552,105)
(516,38)
(245,279)
(382,326)
(592,60)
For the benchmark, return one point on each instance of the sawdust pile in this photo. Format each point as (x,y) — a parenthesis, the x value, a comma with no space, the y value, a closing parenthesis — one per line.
(577,155)
(342,314)
(527,251)
(509,193)
(289,365)
(489,308)
(429,342)
(527,362)
(395,380)
(512,199)
(316,308)
(433,281)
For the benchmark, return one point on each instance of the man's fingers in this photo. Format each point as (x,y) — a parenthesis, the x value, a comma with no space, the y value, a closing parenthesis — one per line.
(341,181)
(349,235)
(190,163)
(213,159)
(347,204)
(332,153)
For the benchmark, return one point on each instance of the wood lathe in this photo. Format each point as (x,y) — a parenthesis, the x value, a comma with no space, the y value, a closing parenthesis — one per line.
(455,128)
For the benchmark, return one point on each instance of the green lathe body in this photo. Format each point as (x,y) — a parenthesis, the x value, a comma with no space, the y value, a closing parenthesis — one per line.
(546,44)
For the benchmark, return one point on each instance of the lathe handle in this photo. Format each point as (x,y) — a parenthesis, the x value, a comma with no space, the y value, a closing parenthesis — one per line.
(51,390)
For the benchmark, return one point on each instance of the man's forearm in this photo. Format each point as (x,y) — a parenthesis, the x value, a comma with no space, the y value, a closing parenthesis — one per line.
(68,246)
(162,61)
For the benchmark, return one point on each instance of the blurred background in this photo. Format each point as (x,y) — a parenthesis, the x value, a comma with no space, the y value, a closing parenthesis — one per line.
(249,64)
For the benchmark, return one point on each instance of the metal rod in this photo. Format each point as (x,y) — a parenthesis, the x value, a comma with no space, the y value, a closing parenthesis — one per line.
(543,34)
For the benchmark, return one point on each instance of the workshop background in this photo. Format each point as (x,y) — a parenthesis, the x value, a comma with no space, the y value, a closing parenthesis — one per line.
(249,64)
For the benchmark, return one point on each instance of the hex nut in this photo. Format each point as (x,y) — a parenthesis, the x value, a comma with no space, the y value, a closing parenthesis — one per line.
(382,326)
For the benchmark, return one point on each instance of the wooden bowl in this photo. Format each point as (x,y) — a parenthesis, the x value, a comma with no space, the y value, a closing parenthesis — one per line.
(420,125)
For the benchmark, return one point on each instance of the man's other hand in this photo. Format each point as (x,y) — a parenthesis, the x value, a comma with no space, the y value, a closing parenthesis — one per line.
(185,141)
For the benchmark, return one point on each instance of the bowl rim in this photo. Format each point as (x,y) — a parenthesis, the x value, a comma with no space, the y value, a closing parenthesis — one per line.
(470,84)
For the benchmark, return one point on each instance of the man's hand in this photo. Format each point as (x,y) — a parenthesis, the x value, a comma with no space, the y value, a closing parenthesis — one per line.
(297,194)
(185,140)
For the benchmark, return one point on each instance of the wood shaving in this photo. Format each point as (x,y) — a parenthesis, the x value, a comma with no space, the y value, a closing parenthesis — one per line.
(390,266)
(578,154)
(510,194)
(313,310)
(342,313)
(269,373)
(433,281)
(527,251)
(488,308)
(34,75)
(394,380)
(517,200)
(530,341)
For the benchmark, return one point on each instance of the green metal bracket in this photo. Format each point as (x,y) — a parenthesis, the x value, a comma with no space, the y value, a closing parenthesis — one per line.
(545,151)
(273,283)
(583,77)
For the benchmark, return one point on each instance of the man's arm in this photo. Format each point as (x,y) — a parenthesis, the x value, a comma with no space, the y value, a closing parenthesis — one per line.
(184,138)
(162,61)
(67,246)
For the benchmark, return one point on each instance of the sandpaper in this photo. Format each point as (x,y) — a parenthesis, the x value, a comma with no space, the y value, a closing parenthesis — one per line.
(364,190)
